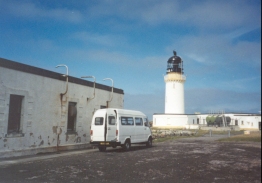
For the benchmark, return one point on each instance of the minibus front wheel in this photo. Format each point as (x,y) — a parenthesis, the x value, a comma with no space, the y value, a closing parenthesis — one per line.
(127,145)
(149,142)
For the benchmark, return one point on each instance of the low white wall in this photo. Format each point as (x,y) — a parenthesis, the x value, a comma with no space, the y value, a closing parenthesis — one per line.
(244,121)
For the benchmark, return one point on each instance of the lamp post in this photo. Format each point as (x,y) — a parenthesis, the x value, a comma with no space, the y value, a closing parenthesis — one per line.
(111,97)
(94,84)
(59,130)
(64,76)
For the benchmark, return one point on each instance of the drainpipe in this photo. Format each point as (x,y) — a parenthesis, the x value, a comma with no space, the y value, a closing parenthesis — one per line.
(111,97)
(94,85)
(61,98)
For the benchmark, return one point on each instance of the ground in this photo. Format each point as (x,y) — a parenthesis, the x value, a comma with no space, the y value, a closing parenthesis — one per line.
(201,159)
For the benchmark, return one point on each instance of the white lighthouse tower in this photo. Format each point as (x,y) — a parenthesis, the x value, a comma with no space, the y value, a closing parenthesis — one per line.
(174,78)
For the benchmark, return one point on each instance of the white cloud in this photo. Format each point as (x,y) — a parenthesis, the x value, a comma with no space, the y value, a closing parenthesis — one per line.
(218,50)
(30,10)
(206,15)
(240,84)
(222,14)
(108,40)
(204,100)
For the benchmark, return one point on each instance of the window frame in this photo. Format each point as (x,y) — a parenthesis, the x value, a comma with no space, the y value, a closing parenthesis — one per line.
(100,121)
(141,121)
(127,121)
(109,120)
(71,120)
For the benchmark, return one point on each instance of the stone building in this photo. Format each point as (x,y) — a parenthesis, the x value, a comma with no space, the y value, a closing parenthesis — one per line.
(45,111)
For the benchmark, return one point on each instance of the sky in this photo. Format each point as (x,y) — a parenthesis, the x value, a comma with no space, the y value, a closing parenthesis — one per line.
(131,42)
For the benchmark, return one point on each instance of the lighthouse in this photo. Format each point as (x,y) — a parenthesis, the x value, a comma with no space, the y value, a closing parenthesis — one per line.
(174,79)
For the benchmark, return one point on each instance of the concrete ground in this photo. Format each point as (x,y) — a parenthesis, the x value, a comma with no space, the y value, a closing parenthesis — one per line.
(199,159)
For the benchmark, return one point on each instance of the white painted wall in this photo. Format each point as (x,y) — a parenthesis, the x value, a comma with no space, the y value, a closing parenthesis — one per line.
(44,115)
(174,99)
(245,121)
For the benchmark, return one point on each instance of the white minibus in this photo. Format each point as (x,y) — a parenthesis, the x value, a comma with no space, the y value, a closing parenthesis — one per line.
(113,127)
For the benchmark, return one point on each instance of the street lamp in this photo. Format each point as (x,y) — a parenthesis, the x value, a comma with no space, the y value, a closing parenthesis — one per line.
(64,76)
(94,84)
(59,130)
(111,97)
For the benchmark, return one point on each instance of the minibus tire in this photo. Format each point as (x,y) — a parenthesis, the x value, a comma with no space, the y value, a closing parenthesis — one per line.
(149,142)
(127,145)
(102,149)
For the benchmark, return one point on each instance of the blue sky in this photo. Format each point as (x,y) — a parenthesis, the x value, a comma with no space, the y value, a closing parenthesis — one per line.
(131,41)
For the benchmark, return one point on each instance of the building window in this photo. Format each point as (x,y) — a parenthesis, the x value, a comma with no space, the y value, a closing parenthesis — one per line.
(15,110)
(242,122)
(197,120)
(193,121)
(71,119)
(102,106)
(236,122)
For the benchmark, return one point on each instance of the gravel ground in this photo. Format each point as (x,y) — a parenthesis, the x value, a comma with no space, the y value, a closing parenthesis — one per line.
(185,160)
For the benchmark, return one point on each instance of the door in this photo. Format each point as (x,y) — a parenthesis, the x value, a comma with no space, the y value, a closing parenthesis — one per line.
(147,130)
(139,129)
(111,125)
(98,127)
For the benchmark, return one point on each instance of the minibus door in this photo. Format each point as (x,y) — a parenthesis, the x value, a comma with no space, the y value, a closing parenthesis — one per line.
(111,126)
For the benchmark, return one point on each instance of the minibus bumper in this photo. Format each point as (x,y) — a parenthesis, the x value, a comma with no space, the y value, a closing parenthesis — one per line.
(105,143)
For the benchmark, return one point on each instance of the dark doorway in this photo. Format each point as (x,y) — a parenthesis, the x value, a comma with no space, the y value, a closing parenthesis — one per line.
(236,122)
(71,119)
(14,118)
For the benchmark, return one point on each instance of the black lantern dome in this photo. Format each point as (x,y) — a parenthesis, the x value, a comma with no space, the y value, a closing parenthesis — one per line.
(175,64)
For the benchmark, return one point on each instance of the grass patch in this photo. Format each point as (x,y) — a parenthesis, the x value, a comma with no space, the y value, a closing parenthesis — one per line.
(170,138)
(243,138)
(235,136)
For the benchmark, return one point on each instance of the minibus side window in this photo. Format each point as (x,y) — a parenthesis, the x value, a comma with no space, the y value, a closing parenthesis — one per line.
(127,121)
(130,121)
(99,120)
(123,121)
(111,120)
(139,121)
